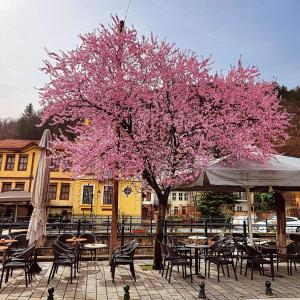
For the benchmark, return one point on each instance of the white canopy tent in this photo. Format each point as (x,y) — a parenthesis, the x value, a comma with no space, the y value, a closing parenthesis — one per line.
(280,173)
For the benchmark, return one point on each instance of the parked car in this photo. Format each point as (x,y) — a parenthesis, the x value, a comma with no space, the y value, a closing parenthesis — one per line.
(292,225)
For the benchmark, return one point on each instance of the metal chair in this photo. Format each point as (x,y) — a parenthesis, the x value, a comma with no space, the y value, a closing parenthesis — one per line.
(222,256)
(63,258)
(255,258)
(177,259)
(90,239)
(124,258)
(20,245)
(22,260)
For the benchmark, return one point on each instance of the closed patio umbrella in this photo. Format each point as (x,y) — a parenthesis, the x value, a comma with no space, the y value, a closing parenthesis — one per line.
(39,199)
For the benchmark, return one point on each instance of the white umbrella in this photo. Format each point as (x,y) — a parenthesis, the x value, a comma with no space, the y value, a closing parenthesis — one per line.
(279,172)
(39,200)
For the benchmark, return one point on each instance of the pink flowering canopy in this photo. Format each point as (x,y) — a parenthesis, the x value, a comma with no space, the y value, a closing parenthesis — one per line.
(141,106)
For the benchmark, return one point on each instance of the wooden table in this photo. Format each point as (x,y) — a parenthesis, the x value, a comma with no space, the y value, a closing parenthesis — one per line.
(197,248)
(7,241)
(4,250)
(76,241)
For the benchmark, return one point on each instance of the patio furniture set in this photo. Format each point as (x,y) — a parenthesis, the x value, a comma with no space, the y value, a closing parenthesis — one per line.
(226,252)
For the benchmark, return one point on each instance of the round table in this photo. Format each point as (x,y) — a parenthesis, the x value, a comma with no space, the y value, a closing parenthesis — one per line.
(198,237)
(96,247)
(197,248)
(4,250)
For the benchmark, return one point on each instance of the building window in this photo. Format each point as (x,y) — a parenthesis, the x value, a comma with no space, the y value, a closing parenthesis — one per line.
(175,210)
(10,162)
(6,186)
(186,196)
(173,196)
(64,191)
(107,195)
(23,160)
(1,156)
(52,191)
(54,166)
(20,186)
(87,194)
(239,208)
(180,196)
(184,211)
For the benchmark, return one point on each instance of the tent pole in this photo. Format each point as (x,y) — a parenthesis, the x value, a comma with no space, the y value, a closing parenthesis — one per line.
(249,216)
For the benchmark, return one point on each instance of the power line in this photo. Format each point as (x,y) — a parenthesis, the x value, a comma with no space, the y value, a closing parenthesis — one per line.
(127,10)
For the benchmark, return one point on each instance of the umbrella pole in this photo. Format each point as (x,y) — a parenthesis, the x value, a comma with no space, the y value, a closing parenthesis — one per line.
(249,216)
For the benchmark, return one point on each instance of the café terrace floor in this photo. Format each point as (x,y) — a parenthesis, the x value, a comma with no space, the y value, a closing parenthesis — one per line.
(93,284)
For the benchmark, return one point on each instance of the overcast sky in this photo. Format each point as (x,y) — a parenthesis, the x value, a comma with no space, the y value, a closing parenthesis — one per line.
(263,32)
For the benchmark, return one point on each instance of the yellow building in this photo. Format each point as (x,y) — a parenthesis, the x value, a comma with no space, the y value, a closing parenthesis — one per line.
(18,165)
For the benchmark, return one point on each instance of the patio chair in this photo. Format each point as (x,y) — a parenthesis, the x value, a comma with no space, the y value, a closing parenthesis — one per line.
(90,239)
(177,259)
(22,260)
(62,258)
(123,249)
(292,256)
(164,258)
(256,259)
(125,257)
(222,256)
(241,253)
(20,245)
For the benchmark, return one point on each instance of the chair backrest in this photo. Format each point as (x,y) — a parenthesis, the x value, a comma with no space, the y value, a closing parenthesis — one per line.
(251,251)
(21,241)
(217,237)
(5,236)
(291,248)
(63,237)
(171,252)
(226,251)
(131,250)
(90,238)
(228,238)
(164,249)
(128,245)
(27,253)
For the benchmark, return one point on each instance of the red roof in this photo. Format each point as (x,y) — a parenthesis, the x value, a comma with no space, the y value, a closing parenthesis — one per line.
(16,144)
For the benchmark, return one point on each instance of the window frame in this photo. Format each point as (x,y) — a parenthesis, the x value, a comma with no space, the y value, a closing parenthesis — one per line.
(56,185)
(6,183)
(61,191)
(176,210)
(186,196)
(174,196)
(82,193)
(1,160)
(180,195)
(20,183)
(103,194)
(6,161)
(20,157)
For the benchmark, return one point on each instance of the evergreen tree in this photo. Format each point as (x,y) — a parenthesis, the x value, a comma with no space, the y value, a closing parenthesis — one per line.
(216,205)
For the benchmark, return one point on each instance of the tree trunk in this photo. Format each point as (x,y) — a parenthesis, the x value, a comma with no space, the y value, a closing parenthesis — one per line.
(163,203)
(281,223)
(114,219)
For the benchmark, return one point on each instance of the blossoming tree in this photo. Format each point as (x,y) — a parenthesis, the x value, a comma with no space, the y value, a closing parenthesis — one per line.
(155,111)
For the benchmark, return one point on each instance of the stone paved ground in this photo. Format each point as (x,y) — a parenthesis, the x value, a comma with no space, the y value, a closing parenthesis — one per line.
(92,283)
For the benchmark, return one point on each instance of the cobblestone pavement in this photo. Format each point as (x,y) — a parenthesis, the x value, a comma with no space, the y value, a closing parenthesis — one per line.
(94,282)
